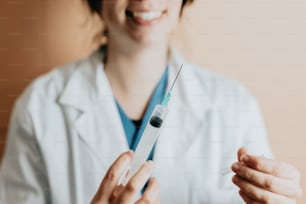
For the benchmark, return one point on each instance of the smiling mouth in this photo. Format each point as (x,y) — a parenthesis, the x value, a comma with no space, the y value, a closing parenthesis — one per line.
(144,15)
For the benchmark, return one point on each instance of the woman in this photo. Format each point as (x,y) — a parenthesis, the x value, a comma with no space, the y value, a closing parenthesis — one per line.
(72,123)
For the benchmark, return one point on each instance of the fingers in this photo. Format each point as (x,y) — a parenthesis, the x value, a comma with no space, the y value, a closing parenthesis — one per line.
(136,183)
(247,199)
(253,194)
(241,151)
(114,172)
(273,167)
(110,192)
(271,183)
(151,195)
(263,180)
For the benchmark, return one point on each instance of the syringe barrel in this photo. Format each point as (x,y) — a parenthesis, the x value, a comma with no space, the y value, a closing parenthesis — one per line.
(146,143)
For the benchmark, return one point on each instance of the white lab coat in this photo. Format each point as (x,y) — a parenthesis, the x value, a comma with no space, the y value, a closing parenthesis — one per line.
(65,132)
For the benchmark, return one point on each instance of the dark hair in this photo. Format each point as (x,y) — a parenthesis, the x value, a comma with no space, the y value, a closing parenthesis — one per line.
(95,5)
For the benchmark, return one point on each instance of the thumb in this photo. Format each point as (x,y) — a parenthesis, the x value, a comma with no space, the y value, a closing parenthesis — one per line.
(241,151)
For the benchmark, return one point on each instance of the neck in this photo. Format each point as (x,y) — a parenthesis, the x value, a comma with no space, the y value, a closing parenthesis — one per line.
(133,74)
(136,69)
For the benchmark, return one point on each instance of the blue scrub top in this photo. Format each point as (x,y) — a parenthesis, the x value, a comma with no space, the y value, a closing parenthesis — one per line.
(134,129)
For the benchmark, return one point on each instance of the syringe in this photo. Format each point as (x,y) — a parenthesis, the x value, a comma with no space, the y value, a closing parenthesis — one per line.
(149,136)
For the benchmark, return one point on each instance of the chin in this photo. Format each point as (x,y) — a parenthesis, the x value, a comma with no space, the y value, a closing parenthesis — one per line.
(149,39)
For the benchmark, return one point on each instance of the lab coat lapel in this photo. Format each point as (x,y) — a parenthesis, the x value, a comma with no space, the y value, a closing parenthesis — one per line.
(187,107)
(97,123)
(184,128)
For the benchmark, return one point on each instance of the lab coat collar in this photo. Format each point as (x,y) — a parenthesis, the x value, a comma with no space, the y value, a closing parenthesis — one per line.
(89,84)
(98,124)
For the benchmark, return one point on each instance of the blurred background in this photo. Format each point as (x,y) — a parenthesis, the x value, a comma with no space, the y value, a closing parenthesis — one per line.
(261,43)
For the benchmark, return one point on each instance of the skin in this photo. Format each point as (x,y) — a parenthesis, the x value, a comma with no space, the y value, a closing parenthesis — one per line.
(136,47)
(136,59)
(263,180)
(111,193)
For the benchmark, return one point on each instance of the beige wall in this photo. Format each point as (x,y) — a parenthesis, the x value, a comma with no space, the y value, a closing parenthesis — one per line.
(260,43)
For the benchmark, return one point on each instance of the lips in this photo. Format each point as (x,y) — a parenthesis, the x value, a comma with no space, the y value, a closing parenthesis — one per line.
(144,17)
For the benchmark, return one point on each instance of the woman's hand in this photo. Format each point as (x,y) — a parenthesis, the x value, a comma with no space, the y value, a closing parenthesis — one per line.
(110,193)
(263,180)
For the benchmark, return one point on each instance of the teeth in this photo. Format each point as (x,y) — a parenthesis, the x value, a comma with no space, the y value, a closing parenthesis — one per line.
(147,15)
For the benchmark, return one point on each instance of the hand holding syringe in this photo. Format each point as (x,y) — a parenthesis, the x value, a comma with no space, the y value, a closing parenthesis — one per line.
(149,137)
(228,170)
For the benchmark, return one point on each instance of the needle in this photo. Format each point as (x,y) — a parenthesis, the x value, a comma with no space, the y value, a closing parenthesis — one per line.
(168,95)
